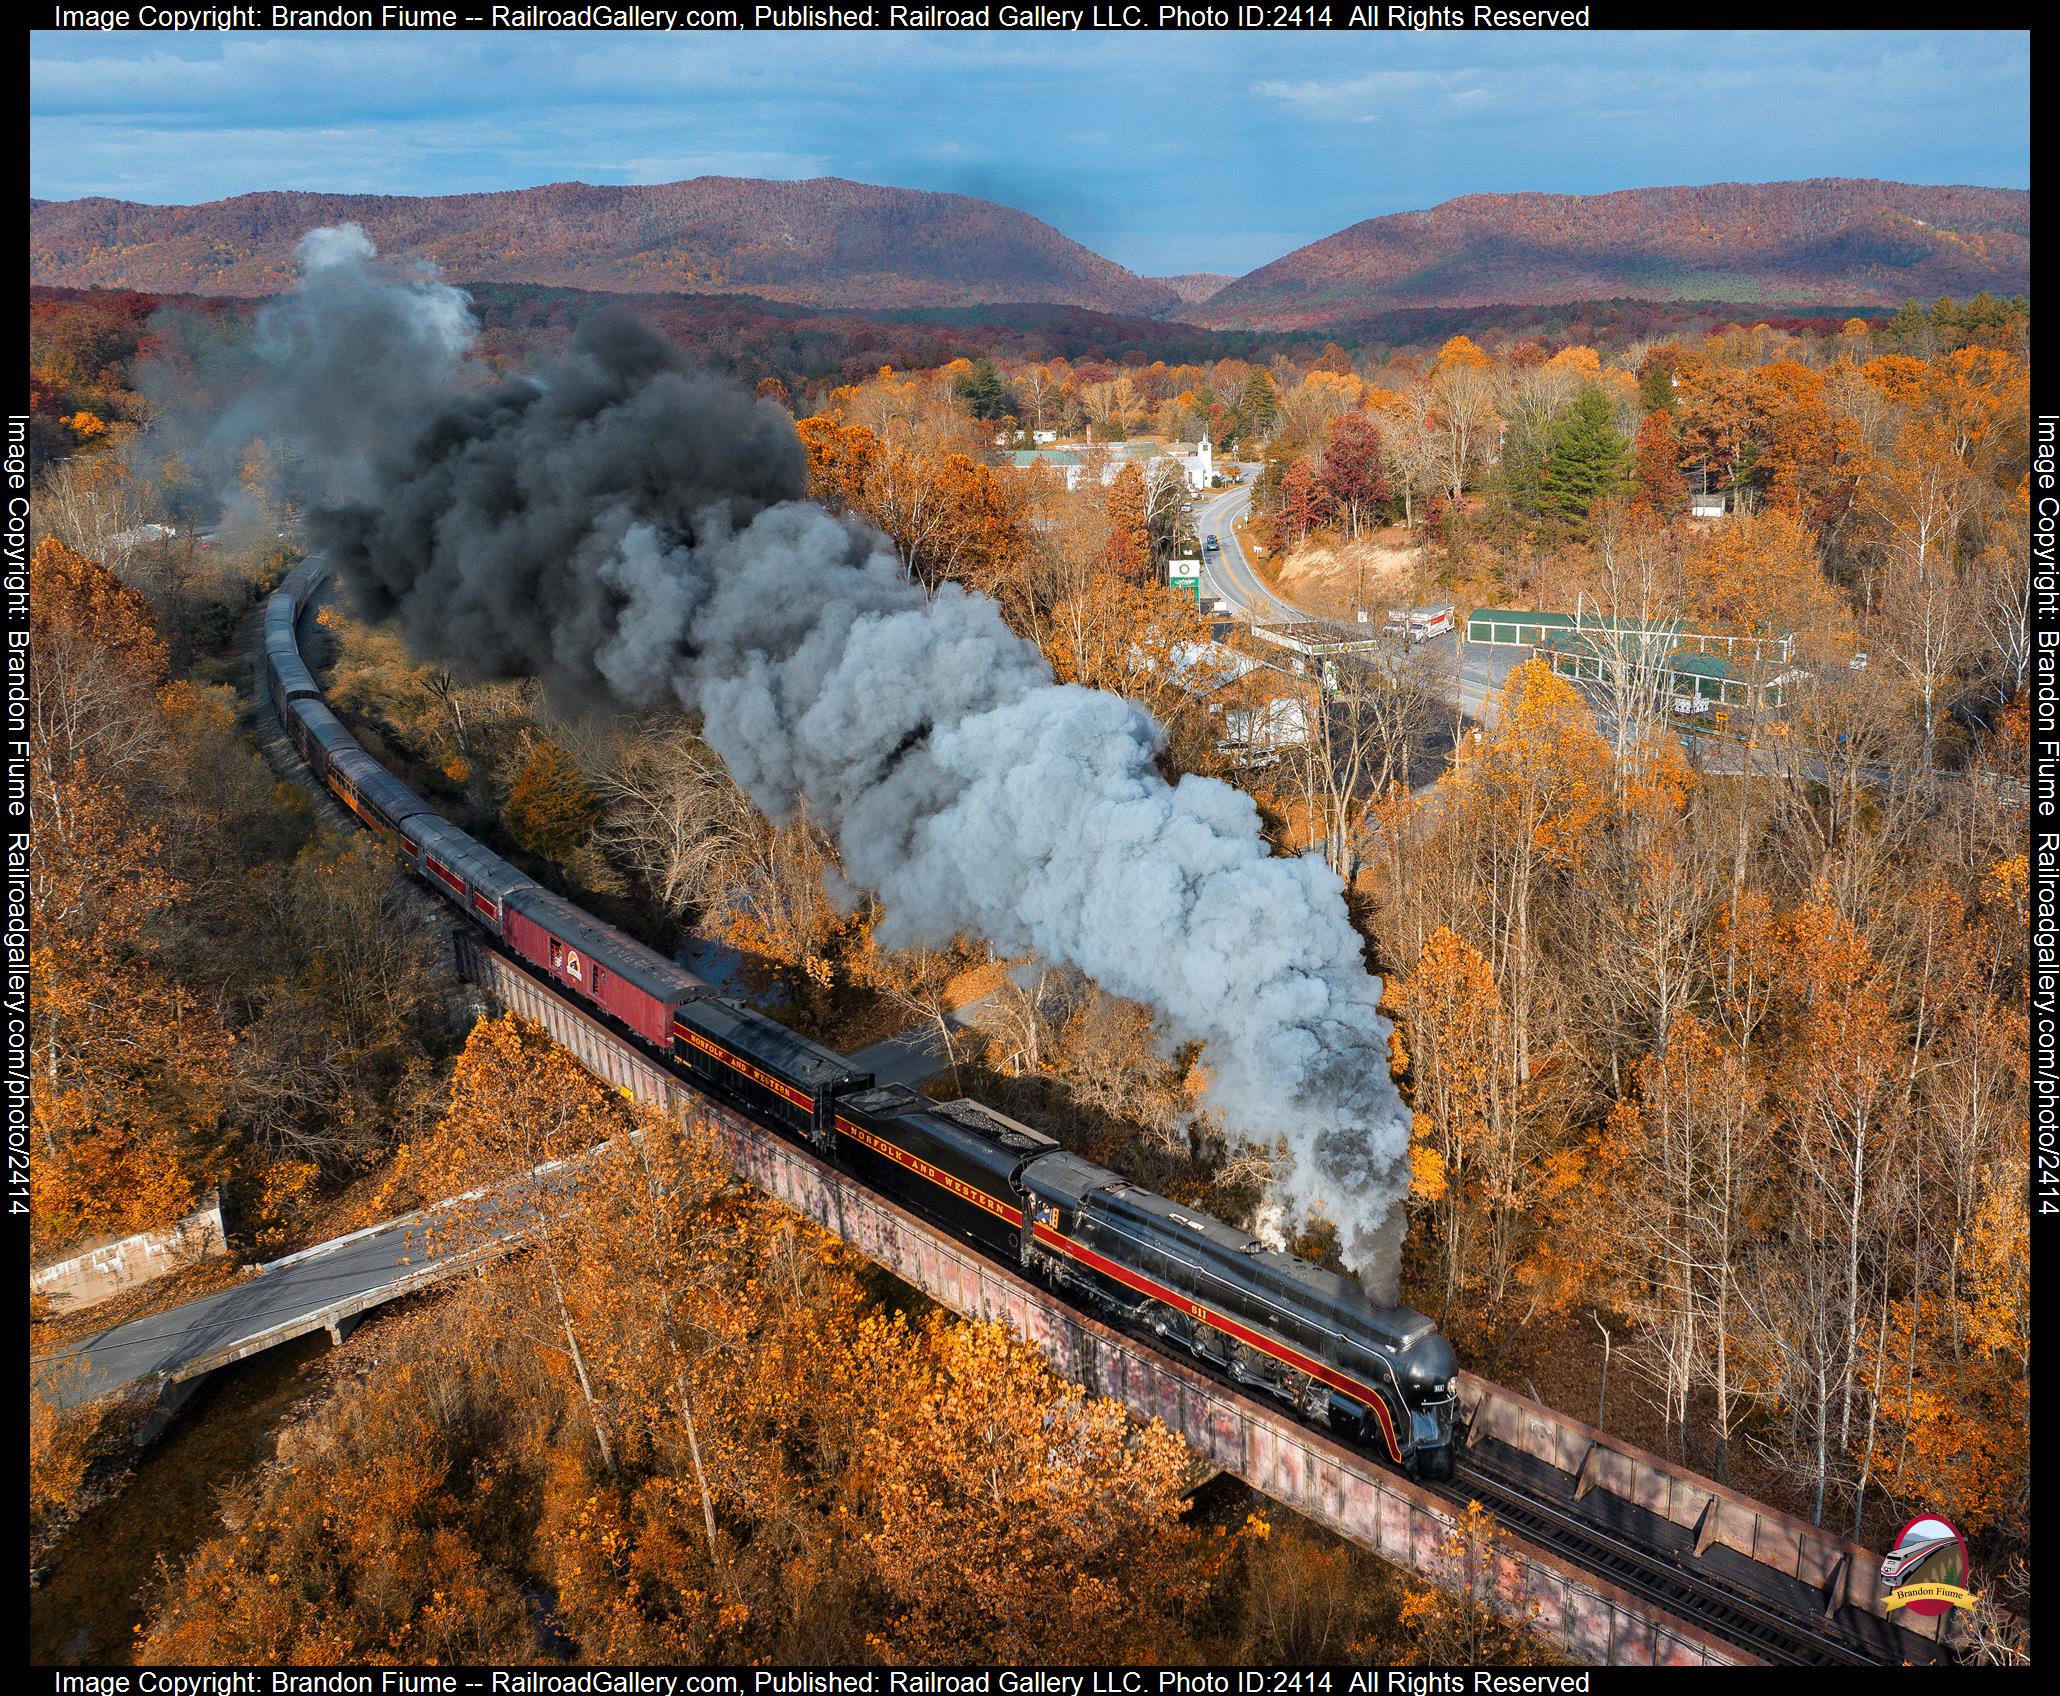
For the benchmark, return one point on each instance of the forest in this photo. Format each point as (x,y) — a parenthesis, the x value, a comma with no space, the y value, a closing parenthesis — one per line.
(1716,1061)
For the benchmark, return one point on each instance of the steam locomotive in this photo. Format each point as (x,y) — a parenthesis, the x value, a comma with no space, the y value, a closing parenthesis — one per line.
(1378,1376)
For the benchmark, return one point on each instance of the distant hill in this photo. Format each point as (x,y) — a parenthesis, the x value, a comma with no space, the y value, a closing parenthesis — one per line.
(824,242)
(1828,242)
(1193,286)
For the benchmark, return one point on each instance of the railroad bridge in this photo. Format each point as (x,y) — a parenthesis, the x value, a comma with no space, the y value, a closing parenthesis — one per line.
(1614,1554)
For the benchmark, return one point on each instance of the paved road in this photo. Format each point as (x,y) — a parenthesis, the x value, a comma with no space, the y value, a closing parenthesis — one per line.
(1229,575)
(284,1299)
(275,1296)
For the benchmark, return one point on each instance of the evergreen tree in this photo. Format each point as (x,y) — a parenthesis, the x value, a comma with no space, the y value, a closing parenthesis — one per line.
(1587,463)
(1656,380)
(1258,406)
(983,390)
(1908,325)
(1524,450)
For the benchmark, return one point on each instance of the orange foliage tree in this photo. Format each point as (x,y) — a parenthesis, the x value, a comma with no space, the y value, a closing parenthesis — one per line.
(1051,1514)
(551,809)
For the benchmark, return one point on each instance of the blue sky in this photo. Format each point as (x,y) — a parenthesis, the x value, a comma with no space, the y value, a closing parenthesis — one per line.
(1166,152)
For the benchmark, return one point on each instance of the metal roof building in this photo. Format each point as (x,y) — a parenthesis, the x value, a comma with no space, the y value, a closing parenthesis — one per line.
(1502,628)
(1688,675)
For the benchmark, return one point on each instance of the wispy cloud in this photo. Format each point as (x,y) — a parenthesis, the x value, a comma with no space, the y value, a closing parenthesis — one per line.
(1304,135)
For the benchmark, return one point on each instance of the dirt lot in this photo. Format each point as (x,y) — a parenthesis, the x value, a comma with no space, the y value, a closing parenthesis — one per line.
(1328,575)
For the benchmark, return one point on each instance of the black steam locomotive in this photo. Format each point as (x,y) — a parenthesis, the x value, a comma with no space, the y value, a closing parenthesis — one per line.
(1375,1375)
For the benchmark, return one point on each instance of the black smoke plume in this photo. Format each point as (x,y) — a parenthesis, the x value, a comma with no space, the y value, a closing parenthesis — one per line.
(633,531)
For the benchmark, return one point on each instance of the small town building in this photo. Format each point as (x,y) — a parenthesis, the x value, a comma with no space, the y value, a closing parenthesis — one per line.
(1195,461)
(1689,678)
(1069,463)
(1498,627)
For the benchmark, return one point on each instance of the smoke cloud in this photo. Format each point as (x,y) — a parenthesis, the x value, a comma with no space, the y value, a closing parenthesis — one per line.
(352,357)
(635,531)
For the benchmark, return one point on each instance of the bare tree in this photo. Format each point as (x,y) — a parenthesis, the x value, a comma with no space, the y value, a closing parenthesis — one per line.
(94,503)
(672,814)
(1636,607)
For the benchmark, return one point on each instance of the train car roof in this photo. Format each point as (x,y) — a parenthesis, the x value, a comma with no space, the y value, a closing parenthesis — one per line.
(471,859)
(302,581)
(294,676)
(378,785)
(763,1039)
(620,952)
(326,728)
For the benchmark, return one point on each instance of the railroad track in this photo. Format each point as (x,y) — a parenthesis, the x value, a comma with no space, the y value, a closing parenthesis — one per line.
(1766,1631)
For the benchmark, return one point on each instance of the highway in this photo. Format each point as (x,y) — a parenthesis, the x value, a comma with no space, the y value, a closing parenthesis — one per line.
(1227,575)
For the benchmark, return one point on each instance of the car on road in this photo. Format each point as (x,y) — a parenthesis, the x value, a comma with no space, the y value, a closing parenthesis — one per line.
(1211,546)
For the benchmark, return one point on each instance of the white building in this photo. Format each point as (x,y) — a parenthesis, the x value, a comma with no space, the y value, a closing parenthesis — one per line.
(1196,463)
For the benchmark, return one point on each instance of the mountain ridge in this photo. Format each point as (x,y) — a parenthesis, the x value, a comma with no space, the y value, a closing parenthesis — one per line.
(1827,243)
(1832,241)
(823,241)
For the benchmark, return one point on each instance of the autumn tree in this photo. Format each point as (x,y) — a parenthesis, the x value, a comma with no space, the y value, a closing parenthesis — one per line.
(97,661)
(948,515)
(381,1535)
(523,1115)
(1128,551)
(1919,501)
(1353,476)
(552,809)
(1660,484)
(1306,502)
(125,1059)
(1687,1169)
(96,504)
(1138,641)
(1462,397)
(1050,1512)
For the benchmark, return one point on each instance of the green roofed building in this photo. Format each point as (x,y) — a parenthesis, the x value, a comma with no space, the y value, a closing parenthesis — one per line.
(1687,675)
(1499,628)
